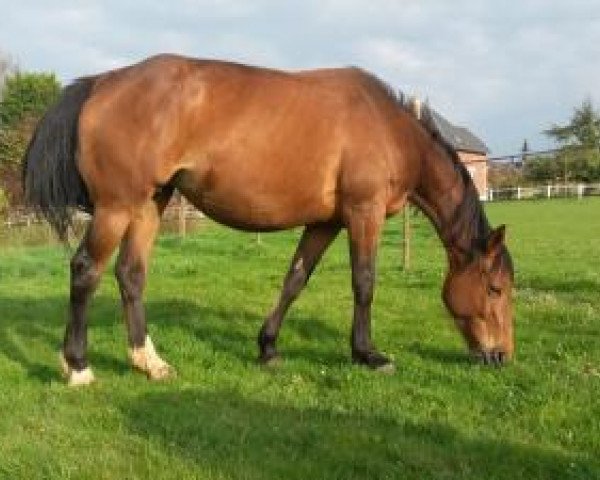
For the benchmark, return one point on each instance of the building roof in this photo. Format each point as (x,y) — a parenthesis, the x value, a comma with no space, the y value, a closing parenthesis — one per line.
(460,138)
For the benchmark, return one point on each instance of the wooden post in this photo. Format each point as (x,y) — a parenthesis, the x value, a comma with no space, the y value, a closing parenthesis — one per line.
(182,219)
(406,242)
(49,233)
(415,105)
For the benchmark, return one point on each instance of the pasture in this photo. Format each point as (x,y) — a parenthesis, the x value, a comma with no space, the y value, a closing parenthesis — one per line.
(316,415)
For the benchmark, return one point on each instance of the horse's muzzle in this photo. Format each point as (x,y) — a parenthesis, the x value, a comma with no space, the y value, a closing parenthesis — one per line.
(495,357)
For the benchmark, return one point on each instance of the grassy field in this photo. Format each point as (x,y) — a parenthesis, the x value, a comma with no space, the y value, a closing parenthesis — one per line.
(316,416)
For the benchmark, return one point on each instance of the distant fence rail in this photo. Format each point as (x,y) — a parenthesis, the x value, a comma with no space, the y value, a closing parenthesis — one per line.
(181,211)
(19,217)
(578,190)
(178,210)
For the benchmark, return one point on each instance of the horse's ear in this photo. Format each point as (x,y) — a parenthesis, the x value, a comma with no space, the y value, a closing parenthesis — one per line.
(495,241)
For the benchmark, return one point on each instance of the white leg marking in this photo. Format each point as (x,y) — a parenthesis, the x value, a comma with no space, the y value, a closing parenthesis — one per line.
(76,378)
(147,360)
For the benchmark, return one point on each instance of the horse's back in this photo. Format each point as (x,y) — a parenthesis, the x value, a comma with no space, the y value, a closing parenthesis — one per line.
(252,147)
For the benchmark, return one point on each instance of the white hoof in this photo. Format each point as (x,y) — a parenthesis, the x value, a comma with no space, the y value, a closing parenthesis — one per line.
(387,368)
(147,360)
(76,378)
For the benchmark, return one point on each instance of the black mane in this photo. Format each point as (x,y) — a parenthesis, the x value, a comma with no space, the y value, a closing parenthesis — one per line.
(469,219)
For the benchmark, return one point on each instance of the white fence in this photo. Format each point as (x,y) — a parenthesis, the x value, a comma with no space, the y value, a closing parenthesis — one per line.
(579,190)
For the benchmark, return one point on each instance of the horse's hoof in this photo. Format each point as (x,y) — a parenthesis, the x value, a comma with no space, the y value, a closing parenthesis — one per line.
(387,368)
(374,360)
(81,378)
(270,361)
(161,372)
(76,378)
(146,360)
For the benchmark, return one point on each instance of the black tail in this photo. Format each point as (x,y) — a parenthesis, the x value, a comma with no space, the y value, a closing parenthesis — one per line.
(51,180)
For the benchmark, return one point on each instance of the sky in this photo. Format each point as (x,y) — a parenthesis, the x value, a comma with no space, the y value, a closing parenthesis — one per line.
(507,70)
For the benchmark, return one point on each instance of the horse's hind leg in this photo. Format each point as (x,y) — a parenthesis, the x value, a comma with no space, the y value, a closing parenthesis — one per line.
(130,270)
(103,235)
(314,242)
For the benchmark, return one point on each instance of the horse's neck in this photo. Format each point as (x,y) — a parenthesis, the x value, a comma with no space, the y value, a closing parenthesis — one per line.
(440,195)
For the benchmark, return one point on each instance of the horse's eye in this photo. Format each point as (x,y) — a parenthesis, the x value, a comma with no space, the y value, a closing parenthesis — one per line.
(494,291)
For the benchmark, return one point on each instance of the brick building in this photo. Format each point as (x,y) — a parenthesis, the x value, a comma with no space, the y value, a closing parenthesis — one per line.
(471,150)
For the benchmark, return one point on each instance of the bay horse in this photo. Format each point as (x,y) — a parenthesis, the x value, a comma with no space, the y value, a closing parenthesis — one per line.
(258,150)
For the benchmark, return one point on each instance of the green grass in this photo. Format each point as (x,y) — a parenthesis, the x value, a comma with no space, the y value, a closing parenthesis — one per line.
(317,416)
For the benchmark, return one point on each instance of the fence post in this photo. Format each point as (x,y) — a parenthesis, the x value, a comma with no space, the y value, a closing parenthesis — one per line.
(415,105)
(490,194)
(518,193)
(580,189)
(49,233)
(182,219)
(406,242)
(548,191)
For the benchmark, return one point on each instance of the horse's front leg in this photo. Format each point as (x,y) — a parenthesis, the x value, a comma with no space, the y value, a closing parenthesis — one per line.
(364,227)
(315,240)
(131,271)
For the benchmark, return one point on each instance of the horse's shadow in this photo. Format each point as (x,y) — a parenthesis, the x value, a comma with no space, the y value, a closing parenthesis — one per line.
(234,330)
(439,355)
(230,331)
(238,436)
(27,324)
(31,329)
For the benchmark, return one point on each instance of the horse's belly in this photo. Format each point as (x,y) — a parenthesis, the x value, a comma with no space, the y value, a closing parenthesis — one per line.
(258,207)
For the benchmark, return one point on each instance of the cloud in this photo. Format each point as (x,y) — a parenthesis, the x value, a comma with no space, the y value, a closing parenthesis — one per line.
(392,53)
(504,70)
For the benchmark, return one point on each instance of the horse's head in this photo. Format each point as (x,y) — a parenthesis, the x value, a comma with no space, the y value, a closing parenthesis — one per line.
(479,296)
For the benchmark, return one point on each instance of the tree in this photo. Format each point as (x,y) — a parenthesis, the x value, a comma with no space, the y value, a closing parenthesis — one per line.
(504,175)
(6,66)
(582,131)
(579,140)
(25,97)
(542,169)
